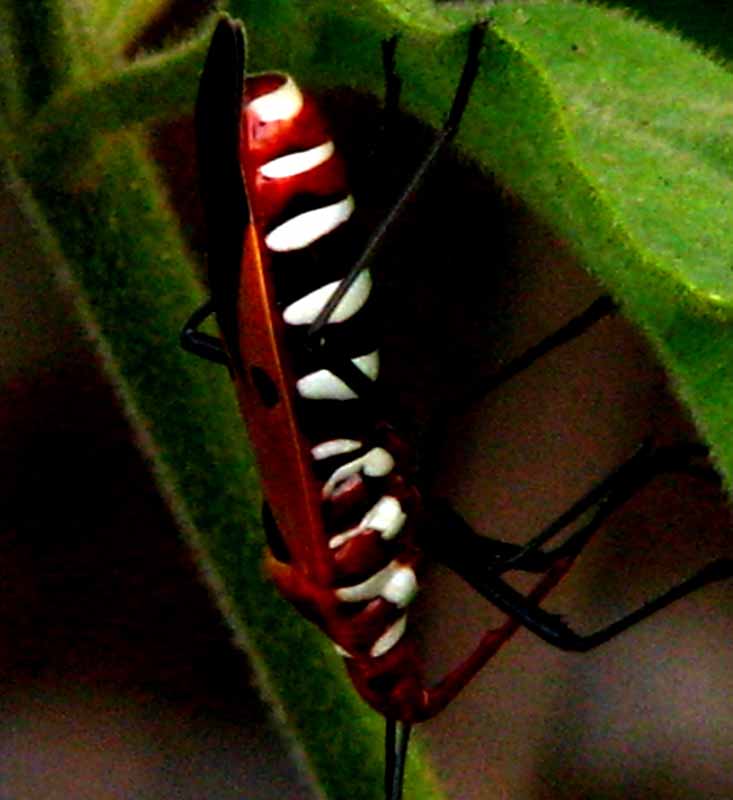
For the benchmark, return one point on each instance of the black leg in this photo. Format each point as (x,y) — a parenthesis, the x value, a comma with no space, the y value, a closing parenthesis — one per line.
(434,431)
(556,632)
(599,309)
(447,530)
(448,131)
(610,494)
(451,540)
(202,344)
(481,565)
(363,387)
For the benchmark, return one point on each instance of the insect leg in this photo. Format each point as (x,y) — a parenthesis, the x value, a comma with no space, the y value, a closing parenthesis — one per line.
(556,632)
(446,134)
(201,344)
(439,695)
(599,309)
(467,546)
(609,495)
(448,529)
(487,559)
(622,485)
(468,553)
(434,431)
(452,540)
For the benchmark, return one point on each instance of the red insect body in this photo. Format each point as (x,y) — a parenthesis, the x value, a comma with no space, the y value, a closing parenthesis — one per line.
(343,501)
(306,512)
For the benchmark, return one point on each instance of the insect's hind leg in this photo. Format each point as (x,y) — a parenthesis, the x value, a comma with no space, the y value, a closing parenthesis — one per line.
(553,629)
(607,496)
(647,463)
(448,528)
(450,536)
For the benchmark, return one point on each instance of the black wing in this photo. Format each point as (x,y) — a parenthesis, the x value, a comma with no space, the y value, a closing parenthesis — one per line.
(218,111)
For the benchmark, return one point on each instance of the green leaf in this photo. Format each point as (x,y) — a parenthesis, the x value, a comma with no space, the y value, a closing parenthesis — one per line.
(151,88)
(119,23)
(11,95)
(705,23)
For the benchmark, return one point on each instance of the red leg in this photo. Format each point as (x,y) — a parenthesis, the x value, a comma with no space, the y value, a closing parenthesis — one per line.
(438,696)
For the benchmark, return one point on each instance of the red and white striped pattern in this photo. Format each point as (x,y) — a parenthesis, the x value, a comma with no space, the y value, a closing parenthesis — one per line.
(289,157)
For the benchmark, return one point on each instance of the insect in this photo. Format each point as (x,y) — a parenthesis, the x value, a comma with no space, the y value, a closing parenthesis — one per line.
(346,518)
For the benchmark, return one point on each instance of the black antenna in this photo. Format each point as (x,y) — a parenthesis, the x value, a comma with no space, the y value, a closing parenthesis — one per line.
(218,113)
(448,131)
(396,740)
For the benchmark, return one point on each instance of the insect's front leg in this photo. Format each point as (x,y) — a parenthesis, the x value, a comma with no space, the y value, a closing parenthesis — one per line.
(201,344)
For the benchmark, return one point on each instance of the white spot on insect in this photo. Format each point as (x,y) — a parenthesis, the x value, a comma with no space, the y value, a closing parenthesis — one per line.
(305,310)
(396,583)
(334,447)
(401,588)
(369,364)
(284,102)
(324,385)
(297,163)
(389,638)
(340,650)
(375,464)
(306,228)
(385,516)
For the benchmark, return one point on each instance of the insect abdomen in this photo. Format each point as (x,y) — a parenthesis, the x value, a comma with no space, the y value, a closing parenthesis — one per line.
(347,517)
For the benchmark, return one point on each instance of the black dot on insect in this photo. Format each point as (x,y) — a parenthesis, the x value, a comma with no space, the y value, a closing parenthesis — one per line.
(265,386)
